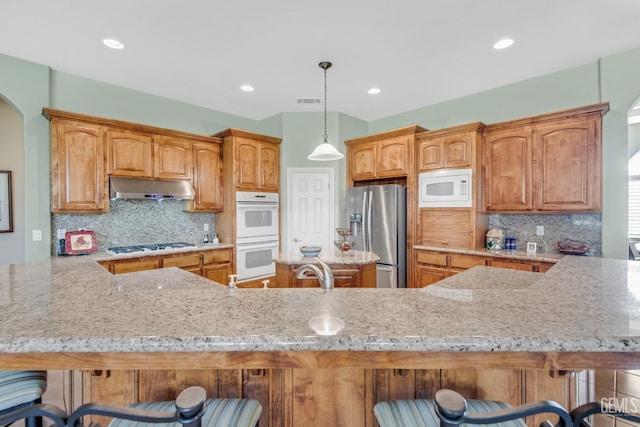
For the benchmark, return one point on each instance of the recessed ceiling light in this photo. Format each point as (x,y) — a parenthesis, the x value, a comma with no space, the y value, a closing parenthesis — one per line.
(247,88)
(503,44)
(374,91)
(113,43)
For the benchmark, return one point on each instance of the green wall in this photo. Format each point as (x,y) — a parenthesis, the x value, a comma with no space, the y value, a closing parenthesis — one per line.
(28,87)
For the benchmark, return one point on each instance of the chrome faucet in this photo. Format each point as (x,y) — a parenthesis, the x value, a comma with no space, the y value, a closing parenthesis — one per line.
(325,276)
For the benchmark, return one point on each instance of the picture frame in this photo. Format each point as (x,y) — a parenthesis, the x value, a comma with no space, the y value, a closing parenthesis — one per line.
(6,207)
(531,247)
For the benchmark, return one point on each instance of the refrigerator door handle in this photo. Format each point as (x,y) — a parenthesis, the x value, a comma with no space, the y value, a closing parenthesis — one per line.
(364,221)
(369,222)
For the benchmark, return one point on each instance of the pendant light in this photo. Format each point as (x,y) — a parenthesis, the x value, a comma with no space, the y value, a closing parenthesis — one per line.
(325,151)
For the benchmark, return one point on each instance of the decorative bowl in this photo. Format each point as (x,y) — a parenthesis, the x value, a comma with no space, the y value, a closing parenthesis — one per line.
(310,251)
(343,231)
(344,245)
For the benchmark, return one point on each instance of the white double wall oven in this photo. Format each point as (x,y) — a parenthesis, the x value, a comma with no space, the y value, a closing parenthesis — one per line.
(257,234)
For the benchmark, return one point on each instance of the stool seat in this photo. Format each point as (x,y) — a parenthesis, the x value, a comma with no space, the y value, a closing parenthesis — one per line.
(421,413)
(21,387)
(219,413)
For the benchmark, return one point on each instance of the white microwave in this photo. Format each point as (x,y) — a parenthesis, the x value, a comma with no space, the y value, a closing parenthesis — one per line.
(447,188)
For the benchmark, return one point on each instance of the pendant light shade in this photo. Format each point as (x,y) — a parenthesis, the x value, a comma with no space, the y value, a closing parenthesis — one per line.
(325,151)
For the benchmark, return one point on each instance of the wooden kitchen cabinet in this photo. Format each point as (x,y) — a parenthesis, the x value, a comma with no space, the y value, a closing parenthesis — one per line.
(78,176)
(86,150)
(130,154)
(344,275)
(433,265)
(253,160)
(173,158)
(214,264)
(385,155)
(207,179)
(548,163)
(449,148)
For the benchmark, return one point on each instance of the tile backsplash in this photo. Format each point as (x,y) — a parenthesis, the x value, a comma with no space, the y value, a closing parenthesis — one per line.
(583,228)
(134,222)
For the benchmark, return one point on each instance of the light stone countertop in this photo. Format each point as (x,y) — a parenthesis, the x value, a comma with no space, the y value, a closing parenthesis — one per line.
(540,256)
(352,258)
(71,304)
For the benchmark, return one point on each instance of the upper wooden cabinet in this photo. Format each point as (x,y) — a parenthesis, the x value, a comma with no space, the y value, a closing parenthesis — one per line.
(382,156)
(253,159)
(173,158)
(548,163)
(86,150)
(207,178)
(78,178)
(448,148)
(129,154)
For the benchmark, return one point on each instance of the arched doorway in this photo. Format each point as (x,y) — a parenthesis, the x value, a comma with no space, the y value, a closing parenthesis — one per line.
(12,244)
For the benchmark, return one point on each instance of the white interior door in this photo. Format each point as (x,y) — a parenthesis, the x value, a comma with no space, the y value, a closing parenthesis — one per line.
(310,208)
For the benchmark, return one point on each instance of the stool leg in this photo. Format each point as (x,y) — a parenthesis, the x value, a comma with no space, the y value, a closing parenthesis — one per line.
(34,421)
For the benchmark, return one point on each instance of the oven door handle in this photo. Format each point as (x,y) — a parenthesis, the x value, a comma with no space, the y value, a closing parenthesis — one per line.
(256,205)
(259,245)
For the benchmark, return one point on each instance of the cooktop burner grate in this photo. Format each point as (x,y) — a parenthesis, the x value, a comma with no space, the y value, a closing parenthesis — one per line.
(148,247)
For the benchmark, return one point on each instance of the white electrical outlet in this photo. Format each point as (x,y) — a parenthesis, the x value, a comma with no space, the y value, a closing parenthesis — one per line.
(206,226)
(540,230)
(37,235)
(60,232)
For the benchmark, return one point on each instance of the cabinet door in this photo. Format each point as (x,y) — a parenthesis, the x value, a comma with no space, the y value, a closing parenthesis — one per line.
(346,278)
(567,165)
(269,167)
(129,154)
(448,228)
(173,158)
(109,387)
(507,162)
(457,150)
(248,158)
(78,179)
(363,162)
(217,272)
(207,178)
(429,275)
(393,157)
(430,154)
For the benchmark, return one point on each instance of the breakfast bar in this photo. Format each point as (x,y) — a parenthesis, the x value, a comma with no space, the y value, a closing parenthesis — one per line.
(71,314)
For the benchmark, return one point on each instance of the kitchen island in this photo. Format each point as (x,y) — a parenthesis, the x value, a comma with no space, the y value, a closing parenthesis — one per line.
(352,269)
(70,313)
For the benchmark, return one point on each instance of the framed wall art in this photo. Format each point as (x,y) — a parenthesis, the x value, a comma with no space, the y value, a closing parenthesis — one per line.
(6,210)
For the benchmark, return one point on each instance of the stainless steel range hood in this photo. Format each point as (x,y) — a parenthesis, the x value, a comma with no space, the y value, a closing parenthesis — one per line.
(150,189)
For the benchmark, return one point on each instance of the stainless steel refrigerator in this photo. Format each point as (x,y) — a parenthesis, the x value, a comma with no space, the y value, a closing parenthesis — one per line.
(377,216)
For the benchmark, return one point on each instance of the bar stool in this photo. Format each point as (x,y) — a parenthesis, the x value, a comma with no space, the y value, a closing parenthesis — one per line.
(20,389)
(190,409)
(450,409)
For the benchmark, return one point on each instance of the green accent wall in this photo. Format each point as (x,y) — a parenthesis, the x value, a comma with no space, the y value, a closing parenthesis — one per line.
(28,87)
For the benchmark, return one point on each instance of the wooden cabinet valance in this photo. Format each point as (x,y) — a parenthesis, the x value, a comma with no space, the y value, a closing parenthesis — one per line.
(87,150)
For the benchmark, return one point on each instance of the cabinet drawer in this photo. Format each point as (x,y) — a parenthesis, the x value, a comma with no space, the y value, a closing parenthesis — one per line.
(466,261)
(432,258)
(513,265)
(216,256)
(182,261)
(131,266)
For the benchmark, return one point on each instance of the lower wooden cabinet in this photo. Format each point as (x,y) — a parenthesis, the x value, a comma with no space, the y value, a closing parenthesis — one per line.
(433,266)
(214,264)
(328,397)
(344,276)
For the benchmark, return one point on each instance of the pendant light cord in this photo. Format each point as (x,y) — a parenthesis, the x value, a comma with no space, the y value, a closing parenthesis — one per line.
(326,137)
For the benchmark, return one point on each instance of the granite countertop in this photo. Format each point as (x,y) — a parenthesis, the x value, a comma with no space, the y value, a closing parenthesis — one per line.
(71,304)
(352,258)
(540,256)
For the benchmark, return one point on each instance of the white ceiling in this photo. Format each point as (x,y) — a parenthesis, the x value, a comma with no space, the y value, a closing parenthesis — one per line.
(419,52)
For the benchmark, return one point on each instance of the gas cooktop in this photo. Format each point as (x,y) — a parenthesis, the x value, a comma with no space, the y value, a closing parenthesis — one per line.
(118,250)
